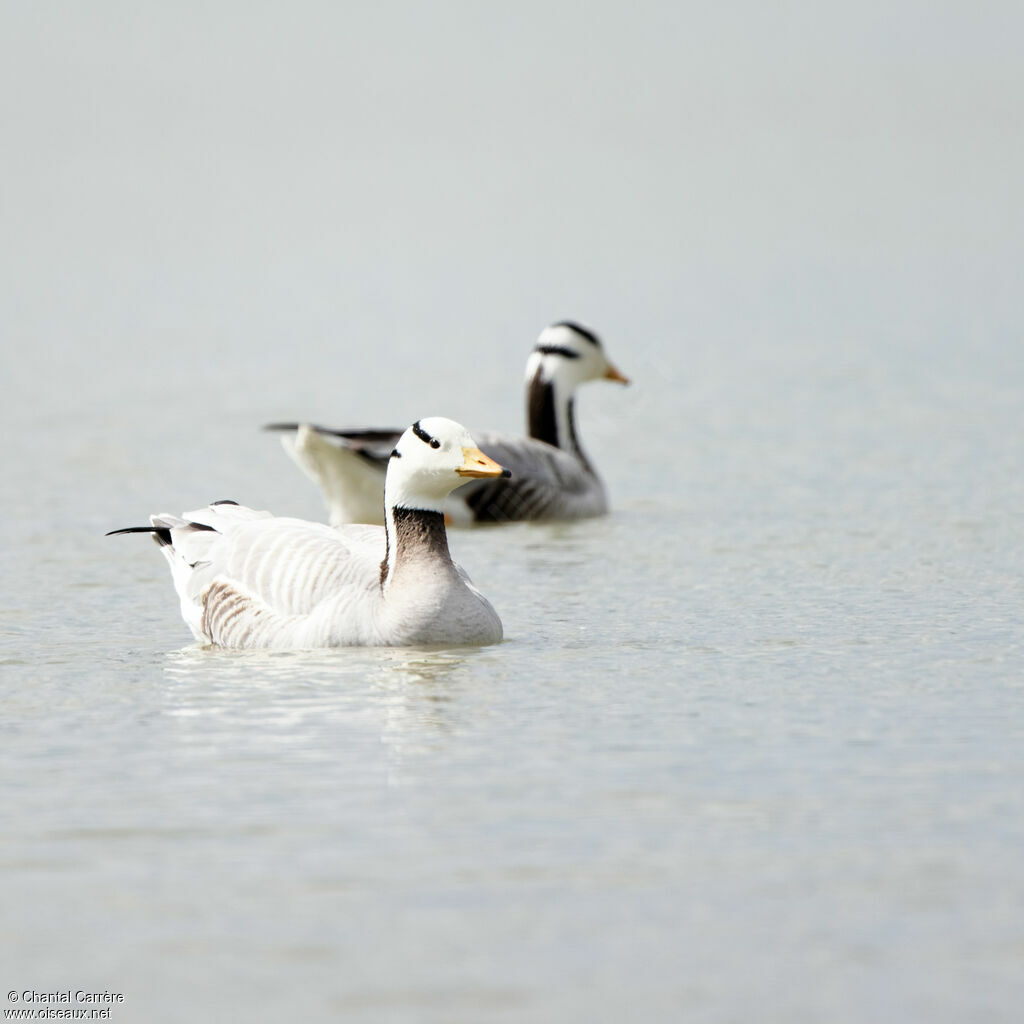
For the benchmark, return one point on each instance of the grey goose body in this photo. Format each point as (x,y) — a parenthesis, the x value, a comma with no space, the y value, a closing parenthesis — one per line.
(552,476)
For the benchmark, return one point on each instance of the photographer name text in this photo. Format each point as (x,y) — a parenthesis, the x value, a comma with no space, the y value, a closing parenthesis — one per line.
(30,995)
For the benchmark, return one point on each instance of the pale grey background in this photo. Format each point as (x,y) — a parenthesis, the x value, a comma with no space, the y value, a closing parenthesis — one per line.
(752,749)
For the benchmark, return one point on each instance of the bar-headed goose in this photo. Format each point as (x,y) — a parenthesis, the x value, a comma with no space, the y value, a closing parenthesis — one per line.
(552,478)
(250,579)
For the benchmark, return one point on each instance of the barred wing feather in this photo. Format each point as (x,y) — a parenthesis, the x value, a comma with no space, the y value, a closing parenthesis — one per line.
(546,483)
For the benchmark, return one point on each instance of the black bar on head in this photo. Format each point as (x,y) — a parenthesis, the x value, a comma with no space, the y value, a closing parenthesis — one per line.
(556,350)
(582,331)
(421,433)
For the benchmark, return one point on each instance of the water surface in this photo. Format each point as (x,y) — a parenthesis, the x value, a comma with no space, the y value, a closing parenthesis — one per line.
(751,749)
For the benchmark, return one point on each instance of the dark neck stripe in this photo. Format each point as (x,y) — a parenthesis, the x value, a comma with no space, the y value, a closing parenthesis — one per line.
(541,418)
(574,441)
(556,350)
(418,534)
(582,331)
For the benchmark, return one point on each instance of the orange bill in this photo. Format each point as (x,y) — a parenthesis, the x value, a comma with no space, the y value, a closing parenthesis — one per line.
(476,464)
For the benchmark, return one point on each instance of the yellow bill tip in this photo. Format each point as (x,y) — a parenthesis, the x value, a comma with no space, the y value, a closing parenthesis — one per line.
(476,464)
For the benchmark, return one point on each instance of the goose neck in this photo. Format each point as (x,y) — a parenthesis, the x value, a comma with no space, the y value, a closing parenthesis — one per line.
(551,415)
(548,410)
(416,540)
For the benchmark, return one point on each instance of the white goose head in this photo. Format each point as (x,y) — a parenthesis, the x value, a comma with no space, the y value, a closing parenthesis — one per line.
(432,458)
(567,355)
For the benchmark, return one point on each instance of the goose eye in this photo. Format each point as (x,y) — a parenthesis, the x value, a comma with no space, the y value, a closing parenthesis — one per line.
(434,443)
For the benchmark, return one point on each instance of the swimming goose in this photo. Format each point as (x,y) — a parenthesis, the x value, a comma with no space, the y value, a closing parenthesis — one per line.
(552,478)
(249,579)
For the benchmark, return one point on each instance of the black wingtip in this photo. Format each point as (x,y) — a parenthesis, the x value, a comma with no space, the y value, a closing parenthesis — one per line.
(370,435)
(161,534)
